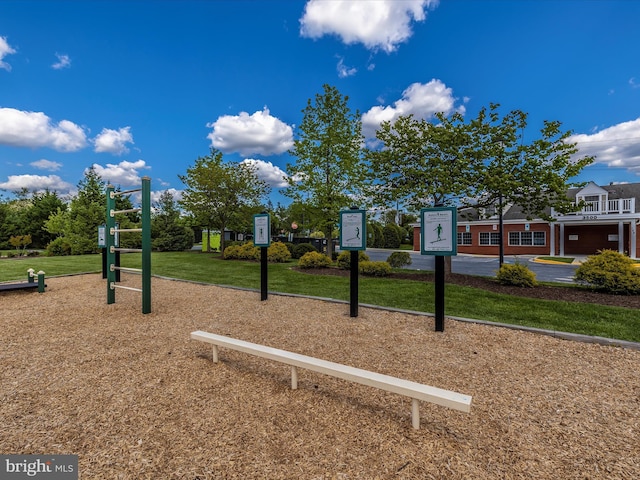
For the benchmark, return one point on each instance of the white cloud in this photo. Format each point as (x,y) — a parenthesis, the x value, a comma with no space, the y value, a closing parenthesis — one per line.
(377,24)
(422,100)
(123,174)
(36,183)
(270,173)
(63,62)
(246,134)
(343,70)
(44,164)
(113,141)
(633,84)
(616,146)
(156,194)
(34,129)
(5,49)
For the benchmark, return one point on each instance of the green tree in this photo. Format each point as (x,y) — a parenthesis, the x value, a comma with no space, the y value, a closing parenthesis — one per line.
(420,163)
(329,171)
(43,205)
(78,224)
(507,170)
(168,232)
(216,191)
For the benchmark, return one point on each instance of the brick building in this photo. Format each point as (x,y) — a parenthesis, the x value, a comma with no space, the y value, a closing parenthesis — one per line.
(608,219)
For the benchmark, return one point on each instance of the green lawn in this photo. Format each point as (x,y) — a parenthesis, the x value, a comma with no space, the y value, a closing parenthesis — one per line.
(611,322)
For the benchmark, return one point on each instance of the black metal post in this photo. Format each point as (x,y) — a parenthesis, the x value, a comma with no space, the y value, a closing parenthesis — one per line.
(501,229)
(263,274)
(354,283)
(439,286)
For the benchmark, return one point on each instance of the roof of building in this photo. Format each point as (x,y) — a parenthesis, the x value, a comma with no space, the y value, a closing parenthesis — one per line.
(515,212)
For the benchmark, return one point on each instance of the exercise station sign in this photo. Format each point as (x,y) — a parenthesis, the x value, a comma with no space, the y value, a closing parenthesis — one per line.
(438,231)
(353,230)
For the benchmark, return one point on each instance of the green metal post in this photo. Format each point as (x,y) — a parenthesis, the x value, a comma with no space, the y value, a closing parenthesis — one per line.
(41,284)
(110,242)
(146,245)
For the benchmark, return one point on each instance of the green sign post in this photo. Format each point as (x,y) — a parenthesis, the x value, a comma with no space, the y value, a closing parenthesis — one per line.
(262,239)
(439,237)
(353,237)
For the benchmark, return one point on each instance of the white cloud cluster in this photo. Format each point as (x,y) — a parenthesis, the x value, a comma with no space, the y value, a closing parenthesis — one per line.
(422,100)
(34,129)
(343,70)
(44,164)
(113,141)
(616,146)
(36,183)
(377,24)
(270,173)
(260,133)
(123,174)
(63,62)
(156,194)
(5,49)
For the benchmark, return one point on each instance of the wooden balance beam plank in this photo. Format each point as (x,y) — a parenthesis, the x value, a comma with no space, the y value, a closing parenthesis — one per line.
(415,391)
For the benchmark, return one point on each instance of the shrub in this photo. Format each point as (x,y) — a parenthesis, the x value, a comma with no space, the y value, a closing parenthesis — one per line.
(344,259)
(278,253)
(302,248)
(314,260)
(246,251)
(399,259)
(391,236)
(290,246)
(59,246)
(610,271)
(517,274)
(374,269)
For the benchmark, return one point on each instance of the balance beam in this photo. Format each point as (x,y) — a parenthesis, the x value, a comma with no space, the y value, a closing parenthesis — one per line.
(415,391)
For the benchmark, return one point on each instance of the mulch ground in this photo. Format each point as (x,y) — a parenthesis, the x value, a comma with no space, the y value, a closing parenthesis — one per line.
(135,398)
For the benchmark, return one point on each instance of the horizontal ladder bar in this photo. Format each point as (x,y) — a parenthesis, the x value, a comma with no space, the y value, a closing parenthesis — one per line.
(112,231)
(126,250)
(113,213)
(114,286)
(126,192)
(126,269)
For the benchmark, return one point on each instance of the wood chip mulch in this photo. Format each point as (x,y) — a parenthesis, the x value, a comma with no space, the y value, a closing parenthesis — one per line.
(135,398)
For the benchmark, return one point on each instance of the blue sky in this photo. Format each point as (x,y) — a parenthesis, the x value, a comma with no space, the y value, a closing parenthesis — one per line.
(145,87)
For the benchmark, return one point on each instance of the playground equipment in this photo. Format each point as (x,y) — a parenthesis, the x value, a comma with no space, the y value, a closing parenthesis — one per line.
(111,231)
(30,284)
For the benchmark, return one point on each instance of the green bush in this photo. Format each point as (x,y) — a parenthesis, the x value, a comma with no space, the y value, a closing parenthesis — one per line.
(344,259)
(300,249)
(610,271)
(517,274)
(246,251)
(399,259)
(314,260)
(59,246)
(290,246)
(278,253)
(391,236)
(374,269)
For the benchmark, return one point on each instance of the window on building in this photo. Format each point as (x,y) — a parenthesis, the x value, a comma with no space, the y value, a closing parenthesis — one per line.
(489,238)
(527,238)
(464,238)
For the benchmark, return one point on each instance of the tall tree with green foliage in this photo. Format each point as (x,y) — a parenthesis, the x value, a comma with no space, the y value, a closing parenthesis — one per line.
(77,226)
(511,169)
(329,172)
(168,232)
(217,191)
(420,163)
